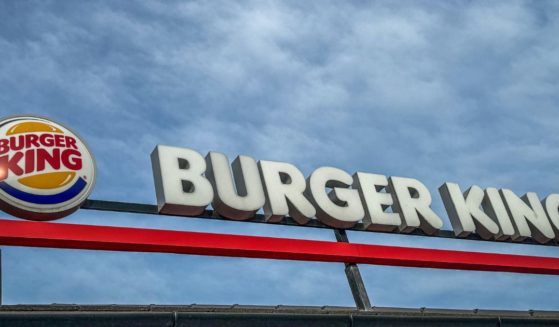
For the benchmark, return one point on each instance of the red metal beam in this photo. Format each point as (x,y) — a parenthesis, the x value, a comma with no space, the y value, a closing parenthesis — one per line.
(57,235)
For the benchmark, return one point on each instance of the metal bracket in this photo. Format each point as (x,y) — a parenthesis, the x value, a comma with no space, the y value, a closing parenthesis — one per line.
(151,209)
(354,279)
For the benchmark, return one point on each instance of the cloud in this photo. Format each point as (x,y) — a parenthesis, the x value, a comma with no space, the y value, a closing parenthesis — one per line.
(457,91)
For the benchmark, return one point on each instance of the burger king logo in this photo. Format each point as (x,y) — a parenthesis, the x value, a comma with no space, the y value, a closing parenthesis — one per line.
(46,170)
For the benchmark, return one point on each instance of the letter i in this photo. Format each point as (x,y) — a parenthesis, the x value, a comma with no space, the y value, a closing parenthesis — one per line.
(29,161)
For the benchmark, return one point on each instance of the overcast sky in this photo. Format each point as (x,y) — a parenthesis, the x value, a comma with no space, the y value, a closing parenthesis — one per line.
(457,91)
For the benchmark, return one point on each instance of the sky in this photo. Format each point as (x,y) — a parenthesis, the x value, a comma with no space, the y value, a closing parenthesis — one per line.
(440,91)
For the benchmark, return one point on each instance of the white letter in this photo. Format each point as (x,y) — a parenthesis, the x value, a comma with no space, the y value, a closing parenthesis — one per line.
(238,203)
(495,208)
(375,202)
(552,208)
(463,209)
(179,185)
(412,201)
(284,187)
(530,210)
(341,208)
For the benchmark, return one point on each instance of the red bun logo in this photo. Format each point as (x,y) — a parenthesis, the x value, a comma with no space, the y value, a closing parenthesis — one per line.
(46,170)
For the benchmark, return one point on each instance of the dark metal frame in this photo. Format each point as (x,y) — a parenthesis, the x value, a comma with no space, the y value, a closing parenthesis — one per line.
(151,209)
(354,278)
(353,274)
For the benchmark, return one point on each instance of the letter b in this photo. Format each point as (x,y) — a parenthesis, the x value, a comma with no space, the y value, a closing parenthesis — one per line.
(180,187)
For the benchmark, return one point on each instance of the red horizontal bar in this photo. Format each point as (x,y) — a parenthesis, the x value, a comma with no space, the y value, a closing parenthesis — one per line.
(57,235)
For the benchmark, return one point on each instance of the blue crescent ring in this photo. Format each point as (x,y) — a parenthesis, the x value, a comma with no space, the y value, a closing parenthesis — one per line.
(70,193)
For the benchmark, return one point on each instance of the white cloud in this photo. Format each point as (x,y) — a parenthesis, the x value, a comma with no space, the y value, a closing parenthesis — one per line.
(461,91)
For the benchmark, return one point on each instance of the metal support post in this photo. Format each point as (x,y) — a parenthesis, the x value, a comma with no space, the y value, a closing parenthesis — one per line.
(354,277)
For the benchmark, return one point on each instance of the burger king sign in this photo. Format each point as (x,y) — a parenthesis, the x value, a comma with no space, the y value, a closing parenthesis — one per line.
(46,170)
